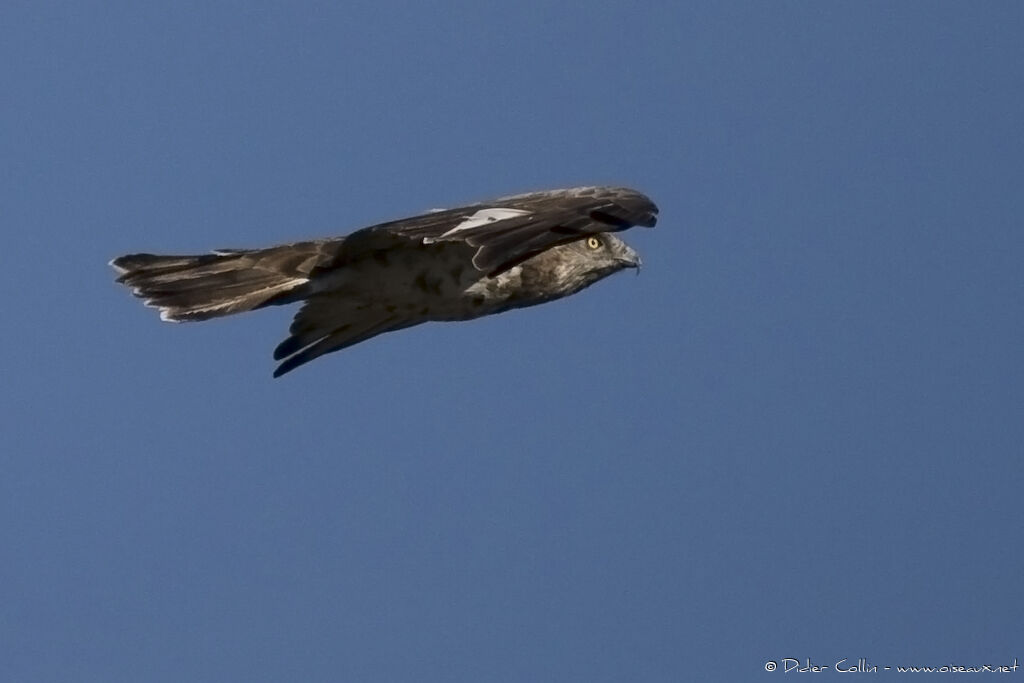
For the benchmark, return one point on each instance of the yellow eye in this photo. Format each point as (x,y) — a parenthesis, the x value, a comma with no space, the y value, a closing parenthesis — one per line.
(593,243)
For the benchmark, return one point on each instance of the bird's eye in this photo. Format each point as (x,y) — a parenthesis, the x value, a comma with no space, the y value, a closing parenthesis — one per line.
(593,243)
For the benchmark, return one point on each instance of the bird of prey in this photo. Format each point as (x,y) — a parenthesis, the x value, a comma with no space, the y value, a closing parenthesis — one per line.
(448,264)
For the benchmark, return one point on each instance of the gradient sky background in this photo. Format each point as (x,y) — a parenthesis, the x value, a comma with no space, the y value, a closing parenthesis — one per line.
(798,433)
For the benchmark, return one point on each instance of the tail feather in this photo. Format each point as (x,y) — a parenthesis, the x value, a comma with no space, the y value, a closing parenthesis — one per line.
(191,288)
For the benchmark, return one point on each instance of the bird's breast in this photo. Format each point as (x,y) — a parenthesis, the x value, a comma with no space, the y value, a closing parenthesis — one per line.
(436,282)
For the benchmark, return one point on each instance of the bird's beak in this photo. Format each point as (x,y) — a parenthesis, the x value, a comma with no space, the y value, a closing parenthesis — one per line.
(630,259)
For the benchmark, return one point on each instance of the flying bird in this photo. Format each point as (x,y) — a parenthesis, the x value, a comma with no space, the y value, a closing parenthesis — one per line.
(445,265)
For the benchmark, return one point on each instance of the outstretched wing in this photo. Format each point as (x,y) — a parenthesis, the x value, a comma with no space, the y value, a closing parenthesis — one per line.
(509,230)
(330,323)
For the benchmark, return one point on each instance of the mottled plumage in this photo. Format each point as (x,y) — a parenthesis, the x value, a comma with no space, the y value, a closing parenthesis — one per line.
(452,264)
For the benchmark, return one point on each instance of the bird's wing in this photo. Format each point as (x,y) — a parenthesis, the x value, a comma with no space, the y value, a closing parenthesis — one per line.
(509,230)
(329,323)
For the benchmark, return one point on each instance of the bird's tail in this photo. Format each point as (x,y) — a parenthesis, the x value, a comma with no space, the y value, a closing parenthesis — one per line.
(187,288)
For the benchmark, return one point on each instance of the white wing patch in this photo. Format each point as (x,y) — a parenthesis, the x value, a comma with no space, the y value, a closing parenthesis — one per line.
(483,217)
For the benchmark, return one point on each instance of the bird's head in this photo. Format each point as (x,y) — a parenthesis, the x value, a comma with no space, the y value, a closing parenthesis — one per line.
(572,266)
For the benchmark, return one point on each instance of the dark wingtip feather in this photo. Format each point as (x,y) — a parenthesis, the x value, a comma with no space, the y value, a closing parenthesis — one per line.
(293,362)
(288,347)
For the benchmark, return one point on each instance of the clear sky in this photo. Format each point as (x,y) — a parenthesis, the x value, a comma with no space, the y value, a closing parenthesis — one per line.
(797,434)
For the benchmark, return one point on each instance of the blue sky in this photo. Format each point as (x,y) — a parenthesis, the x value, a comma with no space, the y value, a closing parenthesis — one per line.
(798,433)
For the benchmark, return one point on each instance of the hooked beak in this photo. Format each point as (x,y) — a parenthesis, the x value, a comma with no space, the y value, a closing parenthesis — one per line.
(630,259)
